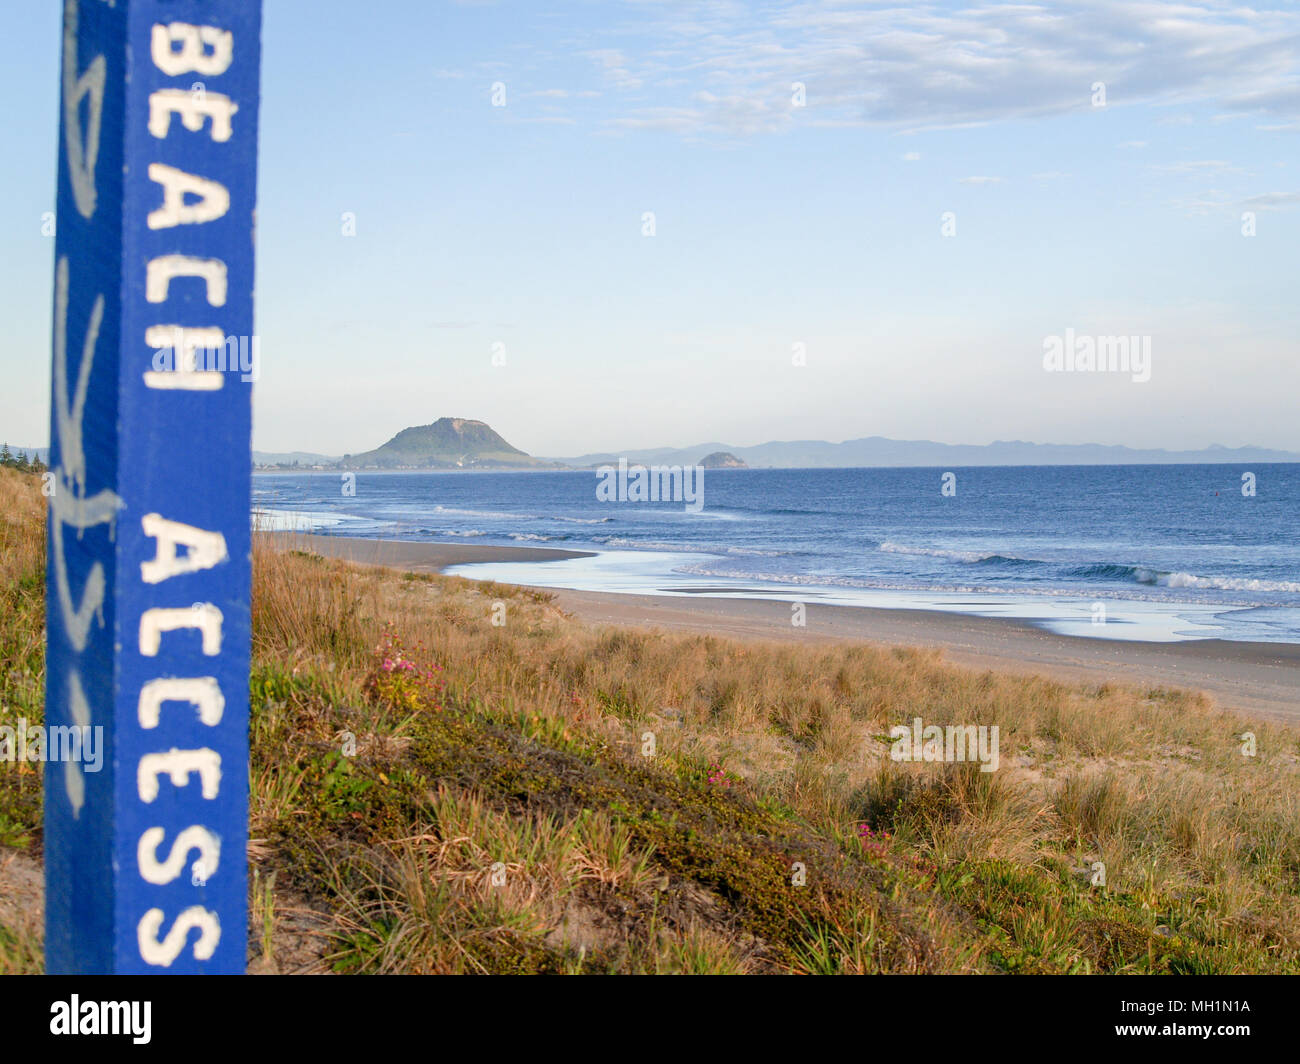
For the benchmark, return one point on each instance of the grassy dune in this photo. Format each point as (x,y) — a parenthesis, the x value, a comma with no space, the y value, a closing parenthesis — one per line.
(433,792)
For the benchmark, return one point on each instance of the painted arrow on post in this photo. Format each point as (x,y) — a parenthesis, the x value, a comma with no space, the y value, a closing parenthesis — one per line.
(148,577)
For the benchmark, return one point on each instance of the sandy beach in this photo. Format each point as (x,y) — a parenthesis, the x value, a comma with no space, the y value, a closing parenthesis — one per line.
(1261,679)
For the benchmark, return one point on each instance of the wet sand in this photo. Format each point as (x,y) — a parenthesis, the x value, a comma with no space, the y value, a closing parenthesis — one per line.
(423,557)
(1260,679)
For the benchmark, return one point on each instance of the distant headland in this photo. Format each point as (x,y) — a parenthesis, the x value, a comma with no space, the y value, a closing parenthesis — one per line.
(448,443)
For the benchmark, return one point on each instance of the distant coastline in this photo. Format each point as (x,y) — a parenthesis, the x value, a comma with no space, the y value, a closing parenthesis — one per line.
(460,444)
(869,453)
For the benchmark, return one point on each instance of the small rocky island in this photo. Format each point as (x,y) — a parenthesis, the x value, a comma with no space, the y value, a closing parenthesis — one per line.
(722,460)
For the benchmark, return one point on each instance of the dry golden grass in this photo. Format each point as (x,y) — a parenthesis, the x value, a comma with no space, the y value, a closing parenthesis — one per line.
(22,575)
(22,646)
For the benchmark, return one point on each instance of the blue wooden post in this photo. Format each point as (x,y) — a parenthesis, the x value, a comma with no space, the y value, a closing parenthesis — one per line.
(147,589)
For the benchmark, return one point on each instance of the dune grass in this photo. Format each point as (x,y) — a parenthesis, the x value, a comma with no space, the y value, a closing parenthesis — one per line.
(458,795)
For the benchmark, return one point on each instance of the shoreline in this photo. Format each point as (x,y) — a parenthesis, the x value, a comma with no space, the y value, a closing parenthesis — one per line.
(425,557)
(1261,679)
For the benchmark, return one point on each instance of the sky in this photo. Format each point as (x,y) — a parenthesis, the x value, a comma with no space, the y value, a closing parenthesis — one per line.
(867,219)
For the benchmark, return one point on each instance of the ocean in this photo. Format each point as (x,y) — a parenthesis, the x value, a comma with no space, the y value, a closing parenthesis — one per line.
(1154,552)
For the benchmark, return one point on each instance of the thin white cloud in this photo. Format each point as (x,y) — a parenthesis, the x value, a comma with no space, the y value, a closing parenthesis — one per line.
(1271,201)
(709,112)
(614,66)
(1197,166)
(1217,201)
(929,66)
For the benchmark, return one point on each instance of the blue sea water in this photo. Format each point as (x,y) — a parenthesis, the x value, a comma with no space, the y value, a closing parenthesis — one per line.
(1155,552)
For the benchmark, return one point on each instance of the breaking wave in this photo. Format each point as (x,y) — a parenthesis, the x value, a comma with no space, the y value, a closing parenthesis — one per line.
(972,557)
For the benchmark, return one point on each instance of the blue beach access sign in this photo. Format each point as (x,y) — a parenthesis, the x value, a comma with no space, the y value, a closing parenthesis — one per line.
(148,578)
